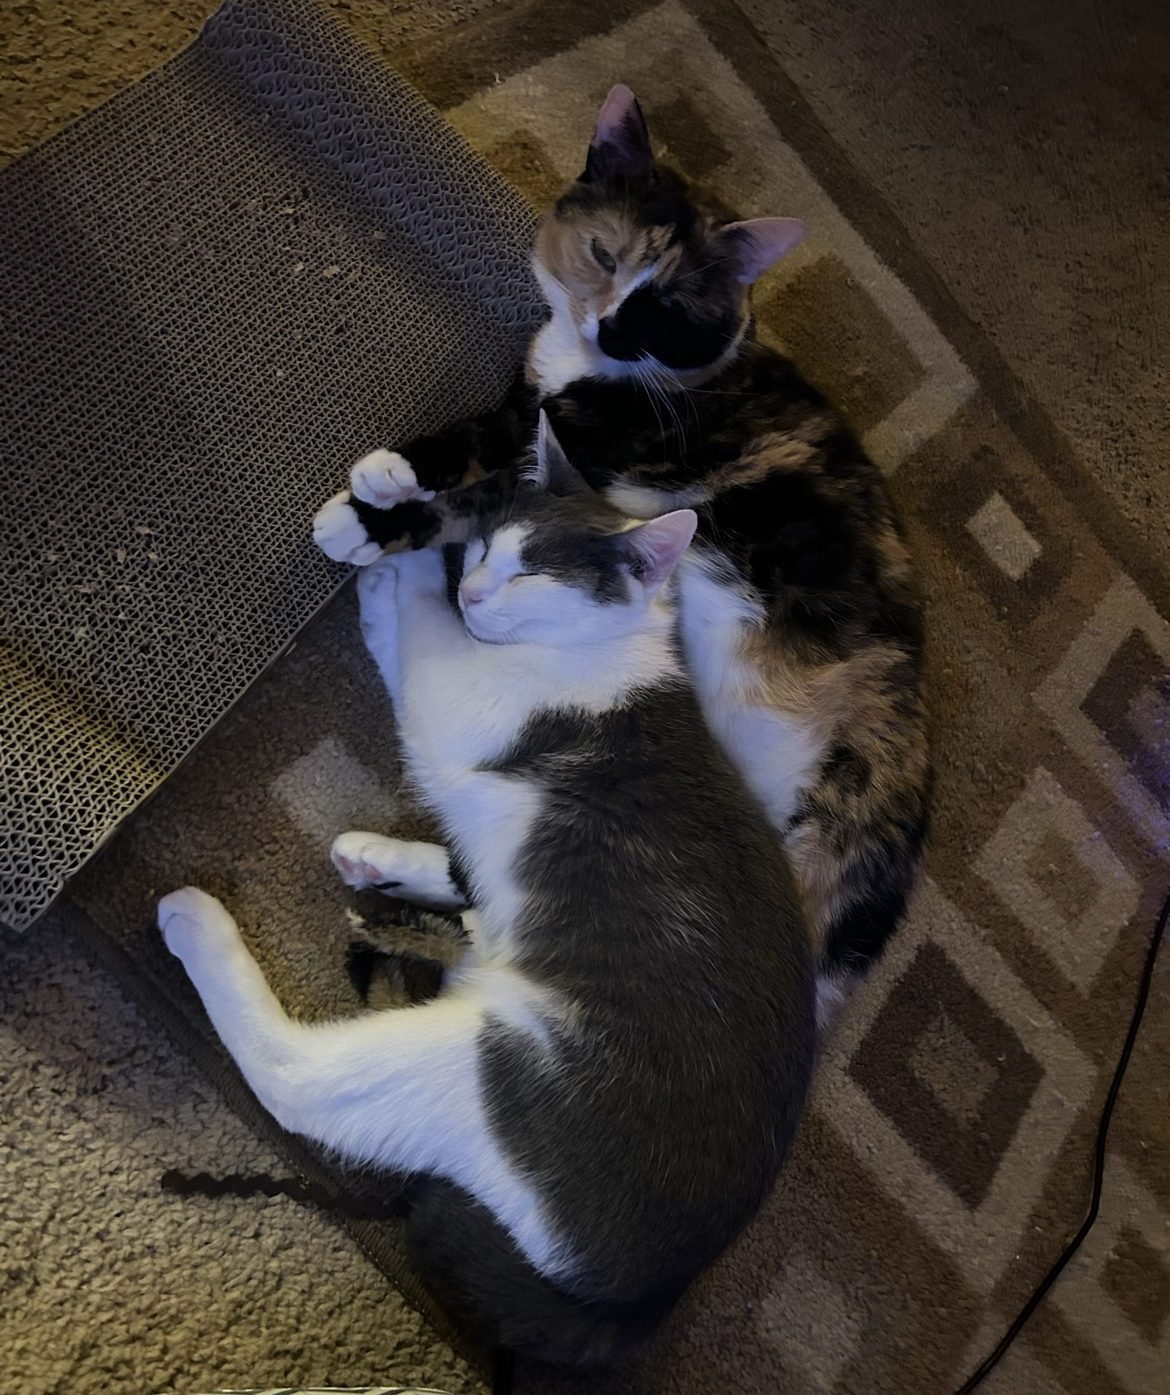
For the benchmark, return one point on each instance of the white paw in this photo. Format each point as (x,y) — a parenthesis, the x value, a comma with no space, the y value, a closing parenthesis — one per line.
(384,478)
(193,923)
(379,581)
(377,588)
(414,871)
(340,534)
(365,859)
(377,585)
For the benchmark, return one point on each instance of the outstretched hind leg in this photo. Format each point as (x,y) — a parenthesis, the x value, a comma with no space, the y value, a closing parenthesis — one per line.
(416,872)
(399,1089)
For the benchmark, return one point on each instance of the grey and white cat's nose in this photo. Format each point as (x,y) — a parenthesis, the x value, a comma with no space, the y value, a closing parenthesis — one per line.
(470,594)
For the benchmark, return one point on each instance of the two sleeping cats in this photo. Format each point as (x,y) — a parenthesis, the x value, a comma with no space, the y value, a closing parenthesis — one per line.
(660,685)
(800,617)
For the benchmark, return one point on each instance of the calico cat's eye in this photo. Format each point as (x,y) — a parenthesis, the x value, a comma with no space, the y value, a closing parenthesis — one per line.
(603,258)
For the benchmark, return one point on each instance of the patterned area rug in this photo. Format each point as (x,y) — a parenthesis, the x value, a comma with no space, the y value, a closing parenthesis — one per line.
(944,1161)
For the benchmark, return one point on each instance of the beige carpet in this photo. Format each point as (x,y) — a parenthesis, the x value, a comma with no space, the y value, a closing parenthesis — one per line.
(108,1284)
(945,1158)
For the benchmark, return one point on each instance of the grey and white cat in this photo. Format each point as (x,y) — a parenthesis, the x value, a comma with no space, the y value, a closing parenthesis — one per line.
(602,1093)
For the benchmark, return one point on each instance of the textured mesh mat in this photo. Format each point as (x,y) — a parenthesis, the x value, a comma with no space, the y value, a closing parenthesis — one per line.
(215,292)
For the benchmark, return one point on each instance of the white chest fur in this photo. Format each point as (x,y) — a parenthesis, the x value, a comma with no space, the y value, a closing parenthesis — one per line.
(775,750)
(461,703)
(561,353)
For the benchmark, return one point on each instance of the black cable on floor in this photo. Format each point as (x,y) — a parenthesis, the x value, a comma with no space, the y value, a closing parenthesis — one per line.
(1099,1167)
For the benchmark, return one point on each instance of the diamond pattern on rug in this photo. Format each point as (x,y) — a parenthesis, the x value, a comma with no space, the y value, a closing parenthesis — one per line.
(943,995)
(998,530)
(948,1072)
(1118,638)
(1132,1337)
(808,1316)
(1013,552)
(1045,842)
(1130,702)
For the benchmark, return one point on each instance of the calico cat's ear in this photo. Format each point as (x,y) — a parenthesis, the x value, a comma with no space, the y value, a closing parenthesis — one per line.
(621,142)
(755,245)
(658,544)
(552,469)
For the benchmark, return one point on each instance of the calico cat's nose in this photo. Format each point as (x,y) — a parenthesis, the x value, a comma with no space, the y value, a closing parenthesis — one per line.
(613,339)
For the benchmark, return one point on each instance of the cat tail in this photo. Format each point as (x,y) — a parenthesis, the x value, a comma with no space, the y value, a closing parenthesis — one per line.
(475,1270)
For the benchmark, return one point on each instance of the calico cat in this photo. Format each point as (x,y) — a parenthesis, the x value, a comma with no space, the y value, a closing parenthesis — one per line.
(603,1091)
(801,618)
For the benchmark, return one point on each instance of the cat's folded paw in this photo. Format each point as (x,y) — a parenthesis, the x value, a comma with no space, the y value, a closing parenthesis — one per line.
(340,533)
(365,859)
(377,584)
(384,478)
(192,923)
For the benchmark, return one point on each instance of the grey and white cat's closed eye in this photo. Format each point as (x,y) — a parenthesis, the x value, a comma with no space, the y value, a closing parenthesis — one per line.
(605,260)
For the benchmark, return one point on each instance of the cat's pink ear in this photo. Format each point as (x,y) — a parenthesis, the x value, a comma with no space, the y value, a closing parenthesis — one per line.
(759,243)
(621,142)
(659,543)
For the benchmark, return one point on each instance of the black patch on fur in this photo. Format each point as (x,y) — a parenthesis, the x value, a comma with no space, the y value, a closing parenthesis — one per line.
(576,541)
(360,964)
(695,954)
(457,871)
(453,559)
(571,548)
(859,934)
(473,1266)
(411,522)
(491,441)
(389,911)
(848,769)
(880,859)
(658,202)
(421,978)
(649,323)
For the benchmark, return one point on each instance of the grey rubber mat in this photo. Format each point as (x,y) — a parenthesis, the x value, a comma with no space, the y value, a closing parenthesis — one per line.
(215,292)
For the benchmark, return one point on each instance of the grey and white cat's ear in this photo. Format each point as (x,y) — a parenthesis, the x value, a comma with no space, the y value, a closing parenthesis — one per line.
(759,243)
(552,469)
(621,142)
(658,544)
